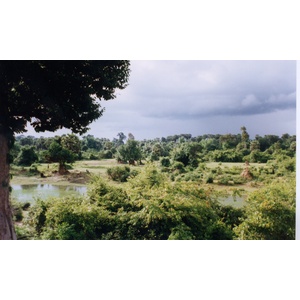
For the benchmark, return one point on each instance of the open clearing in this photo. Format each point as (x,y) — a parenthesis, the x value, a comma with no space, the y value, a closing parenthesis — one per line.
(79,172)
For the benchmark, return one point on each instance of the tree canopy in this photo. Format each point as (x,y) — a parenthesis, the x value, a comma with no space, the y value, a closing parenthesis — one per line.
(54,94)
(50,95)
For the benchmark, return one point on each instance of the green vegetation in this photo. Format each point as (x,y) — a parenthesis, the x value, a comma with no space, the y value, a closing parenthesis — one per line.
(172,188)
(270,214)
(27,156)
(50,95)
(120,174)
(151,207)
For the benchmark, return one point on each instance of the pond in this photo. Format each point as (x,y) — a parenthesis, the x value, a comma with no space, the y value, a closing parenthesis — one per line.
(236,202)
(30,192)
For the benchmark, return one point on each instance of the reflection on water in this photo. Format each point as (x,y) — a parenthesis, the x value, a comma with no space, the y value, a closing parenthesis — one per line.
(236,202)
(30,193)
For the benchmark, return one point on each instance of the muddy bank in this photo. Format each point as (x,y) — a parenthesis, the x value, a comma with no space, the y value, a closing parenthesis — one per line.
(72,178)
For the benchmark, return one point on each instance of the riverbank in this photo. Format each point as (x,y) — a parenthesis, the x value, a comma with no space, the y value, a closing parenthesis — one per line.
(79,174)
(69,179)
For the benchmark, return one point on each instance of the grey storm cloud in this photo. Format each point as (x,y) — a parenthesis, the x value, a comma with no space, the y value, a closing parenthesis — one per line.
(178,89)
(166,97)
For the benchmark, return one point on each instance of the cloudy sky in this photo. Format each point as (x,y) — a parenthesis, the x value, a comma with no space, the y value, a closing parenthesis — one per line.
(198,97)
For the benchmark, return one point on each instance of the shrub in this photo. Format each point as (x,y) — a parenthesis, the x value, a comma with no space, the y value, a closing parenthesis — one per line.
(209,178)
(165,162)
(270,213)
(230,155)
(33,169)
(93,157)
(151,207)
(119,173)
(225,179)
(257,156)
(192,176)
(178,166)
(71,219)
(17,211)
(26,157)
(105,154)
(23,233)
(230,179)
(26,205)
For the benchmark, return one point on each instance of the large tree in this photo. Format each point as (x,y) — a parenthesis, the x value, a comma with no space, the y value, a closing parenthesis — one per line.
(50,95)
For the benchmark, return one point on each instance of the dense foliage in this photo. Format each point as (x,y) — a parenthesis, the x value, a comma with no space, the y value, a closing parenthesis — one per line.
(56,94)
(151,207)
(50,95)
(184,148)
(270,213)
(173,195)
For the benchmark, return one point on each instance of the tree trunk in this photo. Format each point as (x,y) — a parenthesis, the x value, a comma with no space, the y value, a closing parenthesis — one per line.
(62,170)
(7,231)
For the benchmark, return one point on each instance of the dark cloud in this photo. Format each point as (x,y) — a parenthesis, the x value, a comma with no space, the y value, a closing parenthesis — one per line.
(196,88)
(197,97)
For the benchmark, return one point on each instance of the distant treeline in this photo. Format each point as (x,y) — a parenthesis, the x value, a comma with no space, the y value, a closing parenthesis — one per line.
(182,148)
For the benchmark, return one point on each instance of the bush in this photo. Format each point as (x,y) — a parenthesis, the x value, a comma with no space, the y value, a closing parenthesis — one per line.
(93,157)
(192,176)
(165,162)
(257,156)
(69,219)
(230,155)
(151,208)
(178,166)
(23,233)
(33,169)
(235,170)
(230,179)
(225,179)
(26,205)
(119,173)
(209,178)
(105,154)
(270,213)
(26,157)
(17,211)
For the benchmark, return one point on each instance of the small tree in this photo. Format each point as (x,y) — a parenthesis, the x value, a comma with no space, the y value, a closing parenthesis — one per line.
(187,154)
(57,153)
(72,143)
(245,138)
(120,140)
(130,136)
(119,173)
(26,157)
(130,152)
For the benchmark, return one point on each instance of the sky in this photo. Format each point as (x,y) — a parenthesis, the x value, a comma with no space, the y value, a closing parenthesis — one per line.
(168,97)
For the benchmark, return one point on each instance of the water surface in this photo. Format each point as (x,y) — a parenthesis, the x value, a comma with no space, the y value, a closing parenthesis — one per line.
(30,192)
(237,202)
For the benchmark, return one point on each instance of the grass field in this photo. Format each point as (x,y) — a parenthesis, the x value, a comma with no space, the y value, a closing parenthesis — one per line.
(234,164)
(21,175)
